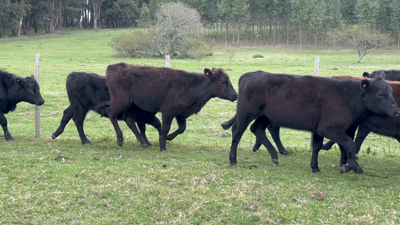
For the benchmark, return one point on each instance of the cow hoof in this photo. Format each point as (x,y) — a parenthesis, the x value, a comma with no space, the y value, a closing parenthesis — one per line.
(359,170)
(275,161)
(316,170)
(344,169)
(256,147)
(120,142)
(285,153)
(163,151)
(144,145)
(54,136)
(10,139)
(232,165)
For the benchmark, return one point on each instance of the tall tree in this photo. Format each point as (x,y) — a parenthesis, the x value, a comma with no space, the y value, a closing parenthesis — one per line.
(174,22)
(367,12)
(395,19)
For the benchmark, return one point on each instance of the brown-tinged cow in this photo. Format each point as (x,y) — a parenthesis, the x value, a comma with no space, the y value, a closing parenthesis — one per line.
(175,93)
(88,91)
(393,75)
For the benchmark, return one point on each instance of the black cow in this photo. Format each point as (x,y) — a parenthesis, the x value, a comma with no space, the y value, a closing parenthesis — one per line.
(175,93)
(383,125)
(88,91)
(15,89)
(393,75)
(326,107)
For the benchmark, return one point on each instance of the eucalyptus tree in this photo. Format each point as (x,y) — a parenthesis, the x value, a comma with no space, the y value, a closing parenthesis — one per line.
(367,12)
(307,14)
(234,12)
(395,19)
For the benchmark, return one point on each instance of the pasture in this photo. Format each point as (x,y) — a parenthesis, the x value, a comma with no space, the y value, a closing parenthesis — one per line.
(193,183)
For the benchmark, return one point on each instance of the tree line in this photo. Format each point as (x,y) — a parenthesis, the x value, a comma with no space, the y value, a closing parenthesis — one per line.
(234,21)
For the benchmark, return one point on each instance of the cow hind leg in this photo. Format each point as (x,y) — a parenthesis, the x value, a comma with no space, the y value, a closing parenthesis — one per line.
(79,117)
(67,115)
(328,145)
(260,123)
(3,123)
(181,128)
(259,131)
(113,111)
(130,116)
(316,147)
(142,129)
(274,131)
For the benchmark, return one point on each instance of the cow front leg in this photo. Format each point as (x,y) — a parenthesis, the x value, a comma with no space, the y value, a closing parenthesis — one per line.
(67,115)
(165,127)
(181,128)
(3,122)
(238,129)
(316,143)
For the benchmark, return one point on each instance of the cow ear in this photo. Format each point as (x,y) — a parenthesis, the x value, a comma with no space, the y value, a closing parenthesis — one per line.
(207,72)
(366,75)
(382,75)
(365,84)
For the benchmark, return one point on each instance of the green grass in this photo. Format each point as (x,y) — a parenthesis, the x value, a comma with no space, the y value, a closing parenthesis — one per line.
(193,183)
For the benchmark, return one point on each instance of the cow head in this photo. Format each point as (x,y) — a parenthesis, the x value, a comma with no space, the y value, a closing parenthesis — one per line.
(365,75)
(29,90)
(221,86)
(378,96)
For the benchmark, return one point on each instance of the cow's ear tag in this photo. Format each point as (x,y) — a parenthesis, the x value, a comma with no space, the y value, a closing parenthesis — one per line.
(207,74)
(364,85)
(18,80)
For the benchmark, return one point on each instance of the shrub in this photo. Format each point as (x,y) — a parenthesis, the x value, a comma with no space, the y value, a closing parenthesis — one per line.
(134,44)
(196,49)
(258,56)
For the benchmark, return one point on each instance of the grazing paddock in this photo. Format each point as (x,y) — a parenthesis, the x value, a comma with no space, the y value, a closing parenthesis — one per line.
(61,181)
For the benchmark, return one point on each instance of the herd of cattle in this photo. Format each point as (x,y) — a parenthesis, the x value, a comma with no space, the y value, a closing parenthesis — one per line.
(330,108)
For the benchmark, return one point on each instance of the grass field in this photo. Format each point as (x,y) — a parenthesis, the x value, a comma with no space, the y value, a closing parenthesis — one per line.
(193,183)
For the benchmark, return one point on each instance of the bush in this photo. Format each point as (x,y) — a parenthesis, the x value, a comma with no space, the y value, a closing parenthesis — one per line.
(258,56)
(135,44)
(196,49)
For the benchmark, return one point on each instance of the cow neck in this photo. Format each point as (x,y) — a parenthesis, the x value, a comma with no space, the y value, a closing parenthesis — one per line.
(357,101)
(201,94)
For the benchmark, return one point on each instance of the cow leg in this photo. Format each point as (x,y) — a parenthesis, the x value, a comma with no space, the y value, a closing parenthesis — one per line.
(130,116)
(361,135)
(317,141)
(165,127)
(238,129)
(274,131)
(67,115)
(348,148)
(328,145)
(260,123)
(259,132)
(115,109)
(78,118)
(3,122)
(181,128)
(142,129)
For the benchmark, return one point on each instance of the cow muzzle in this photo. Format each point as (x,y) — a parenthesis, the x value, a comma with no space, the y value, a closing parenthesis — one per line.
(40,102)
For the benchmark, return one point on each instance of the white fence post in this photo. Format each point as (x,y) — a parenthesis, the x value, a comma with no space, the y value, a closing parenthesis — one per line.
(316,67)
(37,108)
(167,61)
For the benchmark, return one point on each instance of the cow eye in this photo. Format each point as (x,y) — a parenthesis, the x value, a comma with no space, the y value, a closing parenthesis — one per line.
(381,95)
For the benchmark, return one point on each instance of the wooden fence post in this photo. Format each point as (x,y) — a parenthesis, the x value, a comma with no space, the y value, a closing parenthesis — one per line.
(316,67)
(316,73)
(37,108)
(167,61)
